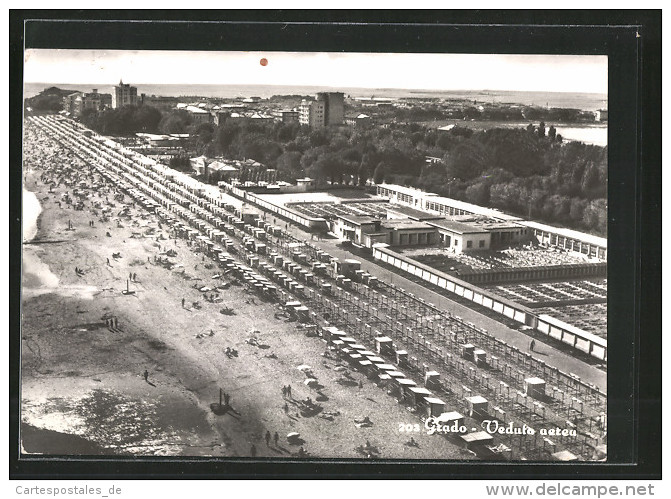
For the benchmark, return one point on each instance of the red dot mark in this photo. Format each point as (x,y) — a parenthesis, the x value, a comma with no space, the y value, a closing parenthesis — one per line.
(264,62)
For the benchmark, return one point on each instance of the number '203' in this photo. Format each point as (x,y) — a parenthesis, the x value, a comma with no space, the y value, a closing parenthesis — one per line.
(408,427)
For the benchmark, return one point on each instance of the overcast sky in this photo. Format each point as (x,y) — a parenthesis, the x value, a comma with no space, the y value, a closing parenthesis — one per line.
(564,73)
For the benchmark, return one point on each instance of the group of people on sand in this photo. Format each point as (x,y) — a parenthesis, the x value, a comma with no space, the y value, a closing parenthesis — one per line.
(268,437)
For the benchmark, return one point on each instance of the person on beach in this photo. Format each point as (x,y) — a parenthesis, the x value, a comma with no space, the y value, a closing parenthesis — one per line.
(289,391)
(268,438)
(276,438)
(252,451)
(183,302)
(532,345)
(146,375)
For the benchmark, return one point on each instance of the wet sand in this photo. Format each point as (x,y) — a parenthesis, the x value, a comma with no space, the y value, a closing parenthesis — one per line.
(83,379)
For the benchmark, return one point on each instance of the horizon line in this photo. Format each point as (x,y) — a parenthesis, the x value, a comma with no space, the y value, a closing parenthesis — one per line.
(324,86)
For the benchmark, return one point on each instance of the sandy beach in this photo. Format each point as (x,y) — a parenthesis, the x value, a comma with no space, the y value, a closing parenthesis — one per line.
(83,387)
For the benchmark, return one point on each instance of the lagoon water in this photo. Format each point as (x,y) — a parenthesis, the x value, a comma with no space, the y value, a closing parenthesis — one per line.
(589,135)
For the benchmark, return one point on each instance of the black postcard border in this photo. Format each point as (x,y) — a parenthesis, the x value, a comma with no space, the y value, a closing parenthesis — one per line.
(631,39)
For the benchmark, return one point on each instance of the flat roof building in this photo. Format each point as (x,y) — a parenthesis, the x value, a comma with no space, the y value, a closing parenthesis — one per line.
(568,239)
(367,231)
(287,116)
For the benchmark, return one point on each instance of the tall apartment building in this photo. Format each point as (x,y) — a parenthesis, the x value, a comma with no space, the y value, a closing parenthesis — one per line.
(124,95)
(335,107)
(312,113)
(328,108)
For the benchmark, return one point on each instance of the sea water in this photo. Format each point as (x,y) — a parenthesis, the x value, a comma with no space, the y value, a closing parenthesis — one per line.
(31,210)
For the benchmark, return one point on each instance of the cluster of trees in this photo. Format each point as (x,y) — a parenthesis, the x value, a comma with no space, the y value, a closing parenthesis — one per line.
(122,121)
(526,171)
(129,120)
(488,112)
(50,100)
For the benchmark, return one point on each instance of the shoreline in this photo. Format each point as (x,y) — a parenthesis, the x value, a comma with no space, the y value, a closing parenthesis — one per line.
(36,276)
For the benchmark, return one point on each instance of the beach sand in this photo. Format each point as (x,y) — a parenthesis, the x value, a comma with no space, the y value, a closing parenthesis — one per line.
(82,384)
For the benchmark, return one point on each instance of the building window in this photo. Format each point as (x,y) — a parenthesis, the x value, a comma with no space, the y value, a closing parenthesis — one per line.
(481,243)
(469,244)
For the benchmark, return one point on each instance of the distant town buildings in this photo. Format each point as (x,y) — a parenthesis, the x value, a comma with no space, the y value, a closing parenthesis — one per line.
(601,115)
(77,102)
(198,115)
(70,103)
(159,102)
(358,120)
(124,95)
(327,109)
